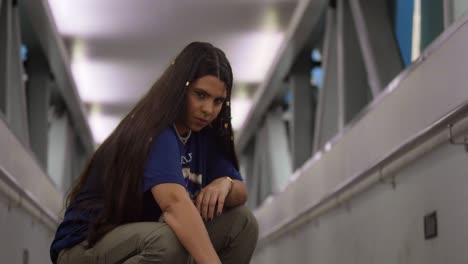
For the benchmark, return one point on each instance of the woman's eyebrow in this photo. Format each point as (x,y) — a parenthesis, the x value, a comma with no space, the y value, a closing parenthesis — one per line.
(198,89)
(201,90)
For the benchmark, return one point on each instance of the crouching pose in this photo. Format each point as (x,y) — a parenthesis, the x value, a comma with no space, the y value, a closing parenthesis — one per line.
(164,187)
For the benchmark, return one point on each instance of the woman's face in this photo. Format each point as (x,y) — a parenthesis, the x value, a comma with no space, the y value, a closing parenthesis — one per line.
(205,98)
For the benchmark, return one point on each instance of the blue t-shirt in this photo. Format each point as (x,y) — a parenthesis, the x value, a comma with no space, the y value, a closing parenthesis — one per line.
(193,165)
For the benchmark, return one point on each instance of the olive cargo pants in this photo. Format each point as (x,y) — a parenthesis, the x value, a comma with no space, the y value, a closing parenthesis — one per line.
(233,234)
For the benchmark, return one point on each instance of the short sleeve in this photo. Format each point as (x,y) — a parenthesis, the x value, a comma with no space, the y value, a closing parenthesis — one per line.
(218,165)
(163,162)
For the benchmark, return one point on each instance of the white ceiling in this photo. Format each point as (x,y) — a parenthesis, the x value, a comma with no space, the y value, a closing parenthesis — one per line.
(120,47)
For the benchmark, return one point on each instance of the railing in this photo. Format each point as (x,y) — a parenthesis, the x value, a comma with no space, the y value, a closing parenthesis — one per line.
(373,175)
(20,197)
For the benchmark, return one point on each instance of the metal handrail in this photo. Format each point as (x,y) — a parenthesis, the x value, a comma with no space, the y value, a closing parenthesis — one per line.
(322,206)
(46,37)
(27,196)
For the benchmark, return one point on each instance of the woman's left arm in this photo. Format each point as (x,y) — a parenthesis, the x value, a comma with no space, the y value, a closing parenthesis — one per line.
(219,194)
(238,194)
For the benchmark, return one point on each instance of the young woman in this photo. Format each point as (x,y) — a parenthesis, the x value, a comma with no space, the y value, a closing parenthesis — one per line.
(164,187)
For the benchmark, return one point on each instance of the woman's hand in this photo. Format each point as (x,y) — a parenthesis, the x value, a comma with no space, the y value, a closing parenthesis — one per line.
(212,198)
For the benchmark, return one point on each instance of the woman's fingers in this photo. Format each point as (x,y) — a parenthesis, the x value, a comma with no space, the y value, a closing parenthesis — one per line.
(210,201)
(212,205)
(221,200)
(205,205)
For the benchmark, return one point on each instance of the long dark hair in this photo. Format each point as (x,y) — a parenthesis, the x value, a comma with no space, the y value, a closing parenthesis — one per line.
(121,158)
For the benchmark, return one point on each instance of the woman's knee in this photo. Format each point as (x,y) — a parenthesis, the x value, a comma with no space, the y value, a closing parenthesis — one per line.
(247,220)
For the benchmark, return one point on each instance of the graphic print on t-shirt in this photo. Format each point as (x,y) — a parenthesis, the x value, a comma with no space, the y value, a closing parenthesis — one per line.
(186,159)
(193,181)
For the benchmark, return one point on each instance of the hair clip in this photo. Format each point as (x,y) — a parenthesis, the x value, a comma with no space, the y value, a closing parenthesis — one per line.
(226,125)
(227,103)
(187,84)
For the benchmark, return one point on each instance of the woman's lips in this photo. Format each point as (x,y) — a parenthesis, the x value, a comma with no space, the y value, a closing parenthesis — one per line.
(201,122)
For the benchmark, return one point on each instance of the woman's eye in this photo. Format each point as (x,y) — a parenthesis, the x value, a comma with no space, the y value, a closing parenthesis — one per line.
(200,95)
(219,101)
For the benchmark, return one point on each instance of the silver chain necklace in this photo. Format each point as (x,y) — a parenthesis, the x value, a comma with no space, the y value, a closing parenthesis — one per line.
(182,139)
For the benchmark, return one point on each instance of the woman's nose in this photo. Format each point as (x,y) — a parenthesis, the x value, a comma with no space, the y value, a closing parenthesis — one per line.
(207,108)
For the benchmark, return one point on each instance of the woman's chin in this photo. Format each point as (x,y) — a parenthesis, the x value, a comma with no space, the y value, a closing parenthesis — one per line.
(196,128)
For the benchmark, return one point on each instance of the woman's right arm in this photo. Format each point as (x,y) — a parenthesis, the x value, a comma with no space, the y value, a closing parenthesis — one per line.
(183,218)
